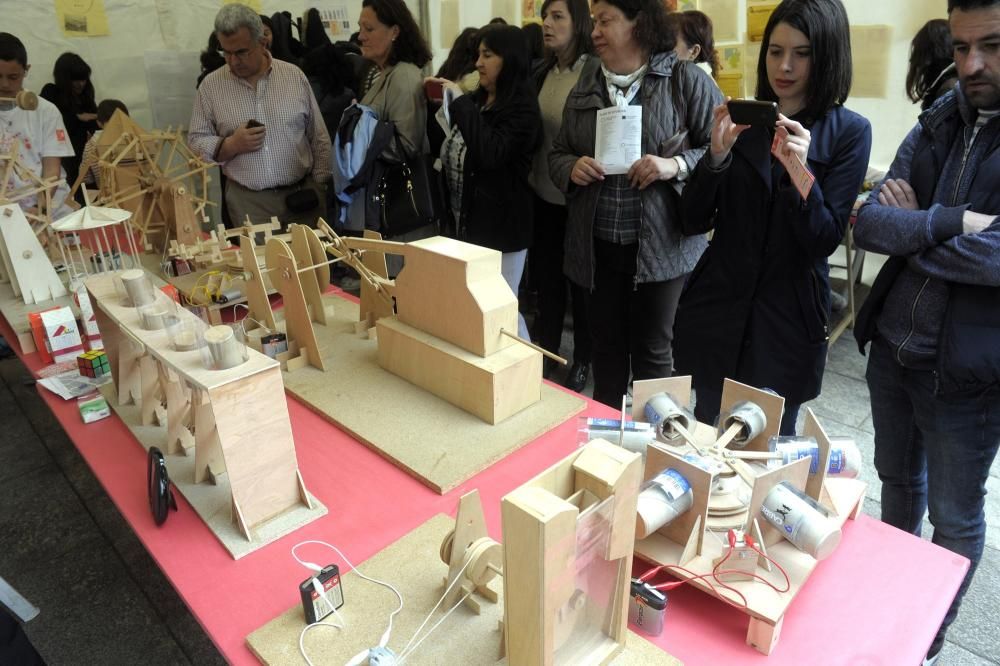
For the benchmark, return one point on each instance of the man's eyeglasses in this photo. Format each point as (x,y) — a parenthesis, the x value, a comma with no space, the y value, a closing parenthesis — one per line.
(240,55)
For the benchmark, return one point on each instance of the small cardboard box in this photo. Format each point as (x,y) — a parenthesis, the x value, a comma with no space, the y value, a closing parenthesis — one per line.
(93,407)
(62,336)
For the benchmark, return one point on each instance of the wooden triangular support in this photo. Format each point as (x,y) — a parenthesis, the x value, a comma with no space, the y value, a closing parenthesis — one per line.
(468,551)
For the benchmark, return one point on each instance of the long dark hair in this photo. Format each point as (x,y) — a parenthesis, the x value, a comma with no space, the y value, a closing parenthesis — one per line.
(652,31)
(508,42)
(462,58)
(70,67)
(583,25)
(410,46)
(930,54)
(824,22)
(695,27)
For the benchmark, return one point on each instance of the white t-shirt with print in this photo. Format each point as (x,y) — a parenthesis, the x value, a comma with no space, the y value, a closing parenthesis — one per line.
(42,134)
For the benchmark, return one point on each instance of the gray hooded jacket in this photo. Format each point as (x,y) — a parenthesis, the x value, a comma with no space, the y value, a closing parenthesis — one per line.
(670,89)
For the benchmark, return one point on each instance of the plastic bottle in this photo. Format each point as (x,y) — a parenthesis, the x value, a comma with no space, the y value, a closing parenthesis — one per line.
(634,435)
(845,457)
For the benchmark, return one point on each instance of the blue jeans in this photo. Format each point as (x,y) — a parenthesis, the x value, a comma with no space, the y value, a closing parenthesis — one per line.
(933,452)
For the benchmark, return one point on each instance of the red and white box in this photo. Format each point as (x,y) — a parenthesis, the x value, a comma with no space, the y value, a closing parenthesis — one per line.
(62,335)
(91,334)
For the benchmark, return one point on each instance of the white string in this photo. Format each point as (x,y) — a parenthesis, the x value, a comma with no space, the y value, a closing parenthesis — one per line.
(406,655)
(248,317)
(385,637)
(429,615)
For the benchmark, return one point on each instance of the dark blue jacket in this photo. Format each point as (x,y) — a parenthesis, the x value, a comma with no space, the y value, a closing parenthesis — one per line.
(947,180)
(757,306)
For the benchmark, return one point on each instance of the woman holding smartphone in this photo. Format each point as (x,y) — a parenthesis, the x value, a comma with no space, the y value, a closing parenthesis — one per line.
(487,152)
(756,308)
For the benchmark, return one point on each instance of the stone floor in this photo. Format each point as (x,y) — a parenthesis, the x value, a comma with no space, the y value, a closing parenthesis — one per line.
(103,600)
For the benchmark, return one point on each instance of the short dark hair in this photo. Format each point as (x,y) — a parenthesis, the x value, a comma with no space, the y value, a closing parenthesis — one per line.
(652,30)
(966,5)
(583,25)
(11,48)
(930,54)
(825,23)
(696,28)
(508,42)
(410,46)
(107,108)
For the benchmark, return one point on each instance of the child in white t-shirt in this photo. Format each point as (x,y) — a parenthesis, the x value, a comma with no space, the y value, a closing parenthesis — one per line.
(41,134)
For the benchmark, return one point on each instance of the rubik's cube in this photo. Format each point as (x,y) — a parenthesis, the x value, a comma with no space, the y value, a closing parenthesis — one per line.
(93,363)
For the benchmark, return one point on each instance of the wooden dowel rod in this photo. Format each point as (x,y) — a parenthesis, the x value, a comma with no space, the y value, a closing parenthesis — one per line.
(524,342)
(728,436)
(322,263)
(754,455)
(493,568)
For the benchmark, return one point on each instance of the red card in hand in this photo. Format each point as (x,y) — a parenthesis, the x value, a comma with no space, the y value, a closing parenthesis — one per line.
(796,168)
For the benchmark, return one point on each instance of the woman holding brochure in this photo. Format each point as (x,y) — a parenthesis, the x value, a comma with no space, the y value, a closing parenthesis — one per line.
(653,114)
(756,308)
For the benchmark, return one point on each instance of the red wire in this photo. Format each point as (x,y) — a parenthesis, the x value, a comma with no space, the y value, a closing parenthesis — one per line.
(694,576)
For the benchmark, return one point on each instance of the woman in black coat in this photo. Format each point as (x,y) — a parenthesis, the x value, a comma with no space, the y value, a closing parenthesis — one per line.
(487,153)
(756,307)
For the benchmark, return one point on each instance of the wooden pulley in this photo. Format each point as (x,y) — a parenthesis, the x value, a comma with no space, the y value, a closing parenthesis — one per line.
(274,249)
(482,561)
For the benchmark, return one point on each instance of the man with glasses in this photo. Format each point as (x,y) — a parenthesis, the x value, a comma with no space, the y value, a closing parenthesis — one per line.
(257,117)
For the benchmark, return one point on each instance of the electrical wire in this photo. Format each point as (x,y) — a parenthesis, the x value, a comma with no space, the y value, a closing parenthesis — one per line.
(384,640)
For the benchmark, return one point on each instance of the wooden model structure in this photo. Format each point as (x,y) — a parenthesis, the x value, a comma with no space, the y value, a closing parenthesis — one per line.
(577,516)
(104,228)
(154,175)
(568,538)
(691,540)
(447,322)
(236,419)
(25,264)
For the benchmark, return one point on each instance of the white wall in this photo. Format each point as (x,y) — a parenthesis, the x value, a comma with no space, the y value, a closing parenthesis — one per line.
(163,37)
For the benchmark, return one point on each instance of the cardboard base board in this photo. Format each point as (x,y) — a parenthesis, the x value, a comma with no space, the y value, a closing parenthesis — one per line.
(414,567)
(213,502)
(429,438)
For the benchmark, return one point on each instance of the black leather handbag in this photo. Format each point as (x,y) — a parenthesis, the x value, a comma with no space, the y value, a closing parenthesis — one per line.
(403,195)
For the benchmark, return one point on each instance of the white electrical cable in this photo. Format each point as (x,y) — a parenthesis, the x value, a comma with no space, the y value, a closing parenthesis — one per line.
(384,640)
(244,320)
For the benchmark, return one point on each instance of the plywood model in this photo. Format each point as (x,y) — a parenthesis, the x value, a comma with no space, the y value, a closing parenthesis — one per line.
(464,638)
(576,517)
(686,542)
(439,443)
(25,263)
(241,417)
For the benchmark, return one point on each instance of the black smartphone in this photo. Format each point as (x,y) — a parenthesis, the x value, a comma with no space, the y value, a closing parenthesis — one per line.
(752,112)
(253,123)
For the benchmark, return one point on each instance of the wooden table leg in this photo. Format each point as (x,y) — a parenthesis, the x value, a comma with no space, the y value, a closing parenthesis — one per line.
(762,635)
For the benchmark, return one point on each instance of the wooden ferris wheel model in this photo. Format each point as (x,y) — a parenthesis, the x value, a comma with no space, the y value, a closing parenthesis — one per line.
(155,176)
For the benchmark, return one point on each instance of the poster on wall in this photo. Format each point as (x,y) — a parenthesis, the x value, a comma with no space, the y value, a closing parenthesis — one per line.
(870,54)
(449,23)
(252,4)
(730,77)
(336,19)
(82,18)
(725,19)
(757,17)
(531,9)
